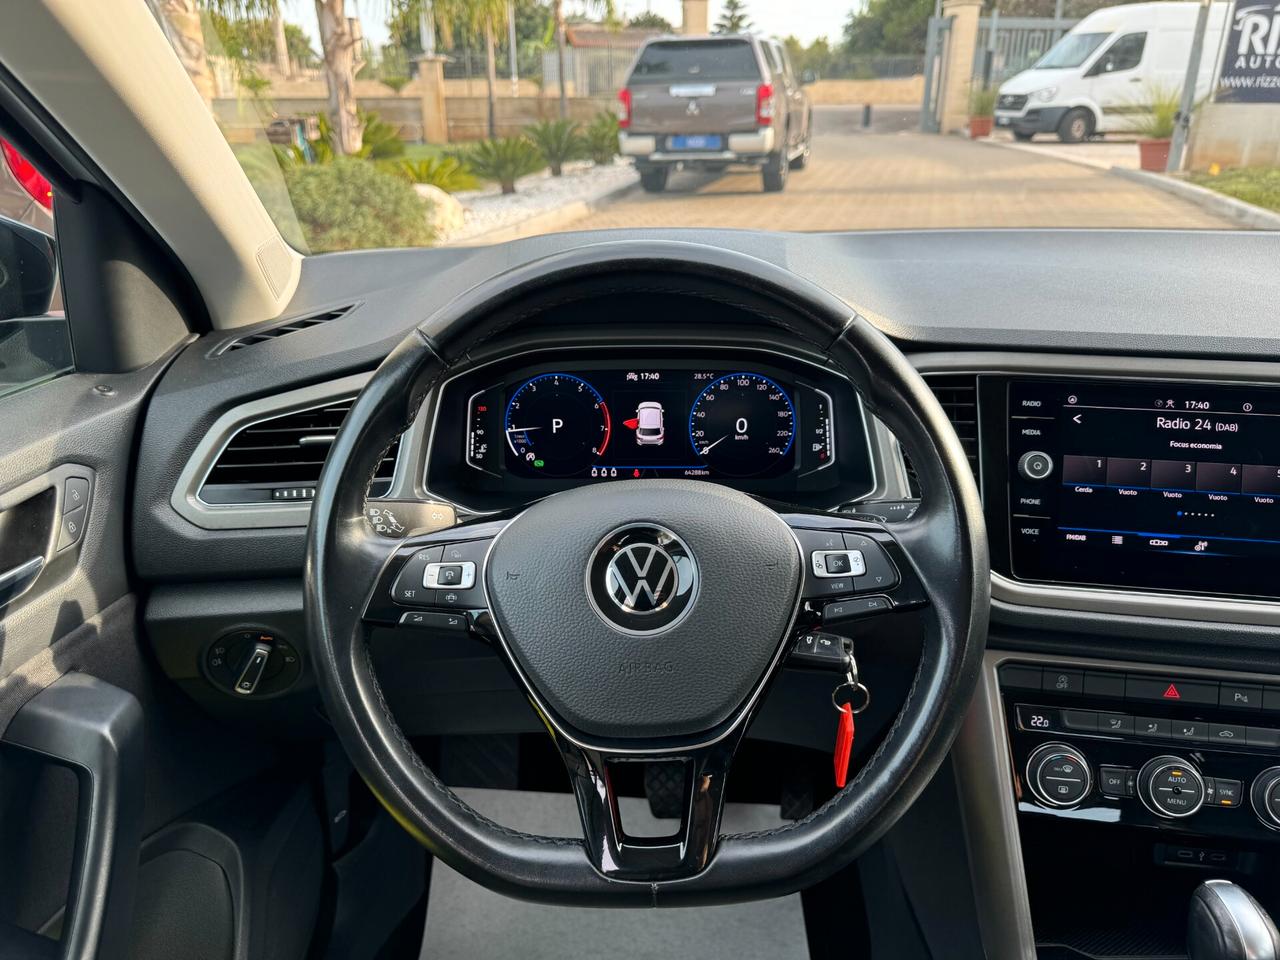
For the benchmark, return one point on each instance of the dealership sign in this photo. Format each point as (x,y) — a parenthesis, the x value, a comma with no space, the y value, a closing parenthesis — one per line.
(1251,55)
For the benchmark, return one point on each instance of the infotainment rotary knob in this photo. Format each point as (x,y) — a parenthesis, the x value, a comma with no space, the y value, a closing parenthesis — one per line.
(1170,787)
(1035,465)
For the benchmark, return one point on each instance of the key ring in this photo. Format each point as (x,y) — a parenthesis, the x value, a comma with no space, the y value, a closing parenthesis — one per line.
(854,687)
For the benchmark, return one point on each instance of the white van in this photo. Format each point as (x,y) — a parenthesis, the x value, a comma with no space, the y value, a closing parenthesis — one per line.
(1096,77)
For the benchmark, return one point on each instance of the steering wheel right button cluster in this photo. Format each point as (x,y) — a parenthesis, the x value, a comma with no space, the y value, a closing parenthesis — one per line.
(842,564)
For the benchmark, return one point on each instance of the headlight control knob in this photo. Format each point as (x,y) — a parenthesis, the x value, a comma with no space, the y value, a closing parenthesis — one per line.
(1170,787)
(1058,775)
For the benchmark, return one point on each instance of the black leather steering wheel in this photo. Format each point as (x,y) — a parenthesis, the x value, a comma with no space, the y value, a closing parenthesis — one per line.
(674,669)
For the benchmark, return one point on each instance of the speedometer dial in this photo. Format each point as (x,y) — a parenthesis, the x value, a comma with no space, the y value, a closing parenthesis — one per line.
(742,424)
(556,425)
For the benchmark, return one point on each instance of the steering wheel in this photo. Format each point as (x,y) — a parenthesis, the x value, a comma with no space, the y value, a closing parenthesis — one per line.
(645,619)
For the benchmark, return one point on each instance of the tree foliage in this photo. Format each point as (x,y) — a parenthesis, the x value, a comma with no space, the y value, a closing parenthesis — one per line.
(733,18)
(252,39)
(888,26)
(648,20)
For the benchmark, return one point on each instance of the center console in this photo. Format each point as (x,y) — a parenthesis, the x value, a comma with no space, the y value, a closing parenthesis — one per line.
(1160,750)
(1132,784)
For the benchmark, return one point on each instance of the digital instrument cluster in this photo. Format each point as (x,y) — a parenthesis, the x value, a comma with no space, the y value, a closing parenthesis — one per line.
(755,425)
(1165,485)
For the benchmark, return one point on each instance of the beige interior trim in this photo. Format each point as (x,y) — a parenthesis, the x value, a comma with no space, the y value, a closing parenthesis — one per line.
(106,73)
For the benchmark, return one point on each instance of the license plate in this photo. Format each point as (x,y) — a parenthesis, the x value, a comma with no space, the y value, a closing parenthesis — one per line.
(698,142)
(1003,121)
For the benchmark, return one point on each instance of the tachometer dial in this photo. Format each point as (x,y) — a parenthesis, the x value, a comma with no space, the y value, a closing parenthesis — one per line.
(742,424)
(556,425)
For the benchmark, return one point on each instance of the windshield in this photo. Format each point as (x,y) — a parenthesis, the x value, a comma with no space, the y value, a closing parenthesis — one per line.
(1071,51)
(436,123)
(673,62)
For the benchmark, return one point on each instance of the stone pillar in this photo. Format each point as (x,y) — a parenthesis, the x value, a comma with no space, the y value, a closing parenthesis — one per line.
(695,17)
(430,84)
(962,44)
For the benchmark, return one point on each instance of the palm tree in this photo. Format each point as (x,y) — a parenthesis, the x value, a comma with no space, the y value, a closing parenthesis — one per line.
(562,42)
(340,48)
(478,16)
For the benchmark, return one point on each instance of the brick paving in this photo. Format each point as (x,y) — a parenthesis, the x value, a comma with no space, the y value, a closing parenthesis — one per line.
(907,180)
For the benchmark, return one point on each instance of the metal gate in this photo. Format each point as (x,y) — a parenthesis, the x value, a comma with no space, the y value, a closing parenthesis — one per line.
(935,72)
(1009,45)
(1005,46)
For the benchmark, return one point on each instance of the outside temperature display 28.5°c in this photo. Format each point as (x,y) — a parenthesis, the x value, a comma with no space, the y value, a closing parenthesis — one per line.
(665,422)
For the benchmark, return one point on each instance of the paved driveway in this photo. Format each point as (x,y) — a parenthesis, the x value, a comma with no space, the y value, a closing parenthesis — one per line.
(891,177)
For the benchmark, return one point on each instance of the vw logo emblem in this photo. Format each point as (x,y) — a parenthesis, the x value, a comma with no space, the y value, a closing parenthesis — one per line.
(642,578)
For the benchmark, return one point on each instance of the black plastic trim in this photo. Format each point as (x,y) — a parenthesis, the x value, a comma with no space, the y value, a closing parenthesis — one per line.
(96,729)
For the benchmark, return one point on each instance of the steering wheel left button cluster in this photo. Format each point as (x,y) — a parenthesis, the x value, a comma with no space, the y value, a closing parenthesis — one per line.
(447,575)
(410,587)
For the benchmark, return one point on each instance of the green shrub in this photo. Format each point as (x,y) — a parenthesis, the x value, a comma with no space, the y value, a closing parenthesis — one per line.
(503,161)
(349,204)
(557,140)
(381,140)
(601,137)
(982,103)
(448,173)
(1157,115)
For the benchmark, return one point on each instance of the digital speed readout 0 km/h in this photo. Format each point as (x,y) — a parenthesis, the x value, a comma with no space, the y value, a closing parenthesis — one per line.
(1165,484)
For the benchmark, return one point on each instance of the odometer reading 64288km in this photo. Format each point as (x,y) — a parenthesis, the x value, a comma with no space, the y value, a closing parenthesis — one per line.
(556,425)
(742,424)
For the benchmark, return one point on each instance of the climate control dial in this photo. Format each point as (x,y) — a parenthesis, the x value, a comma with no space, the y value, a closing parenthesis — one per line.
(1058,775)
(1266,797)
(1170,787)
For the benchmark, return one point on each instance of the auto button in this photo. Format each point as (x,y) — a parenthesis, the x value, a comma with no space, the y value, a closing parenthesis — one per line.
(1170,787)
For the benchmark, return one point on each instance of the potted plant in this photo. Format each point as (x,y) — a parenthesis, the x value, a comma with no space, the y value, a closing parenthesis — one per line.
(982,108)
(1154,126)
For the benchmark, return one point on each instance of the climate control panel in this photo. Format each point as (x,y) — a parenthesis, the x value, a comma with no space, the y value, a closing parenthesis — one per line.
(1149,749)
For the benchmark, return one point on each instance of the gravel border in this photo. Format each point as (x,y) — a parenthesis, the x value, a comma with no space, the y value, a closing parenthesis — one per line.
(541,202)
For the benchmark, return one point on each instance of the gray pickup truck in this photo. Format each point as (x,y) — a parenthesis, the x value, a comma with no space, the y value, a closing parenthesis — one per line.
(709,102)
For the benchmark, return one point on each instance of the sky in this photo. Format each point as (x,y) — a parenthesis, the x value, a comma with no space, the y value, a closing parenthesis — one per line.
(778,17)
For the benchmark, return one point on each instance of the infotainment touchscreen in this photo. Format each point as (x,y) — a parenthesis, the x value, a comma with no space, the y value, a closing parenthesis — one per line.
(1172,486)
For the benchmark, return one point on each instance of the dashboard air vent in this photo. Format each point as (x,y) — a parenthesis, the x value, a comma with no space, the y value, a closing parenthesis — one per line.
(279,459)
(280,329)
(958,395)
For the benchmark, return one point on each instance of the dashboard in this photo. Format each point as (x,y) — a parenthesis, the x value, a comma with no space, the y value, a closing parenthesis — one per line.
(1134,613)
(764,422)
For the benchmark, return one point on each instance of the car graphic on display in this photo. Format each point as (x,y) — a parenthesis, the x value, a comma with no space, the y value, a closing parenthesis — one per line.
(649,428)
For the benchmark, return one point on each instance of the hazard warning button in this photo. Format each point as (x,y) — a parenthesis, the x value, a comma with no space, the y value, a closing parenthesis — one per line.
(1171,690)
